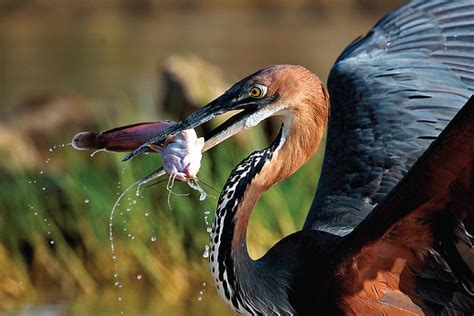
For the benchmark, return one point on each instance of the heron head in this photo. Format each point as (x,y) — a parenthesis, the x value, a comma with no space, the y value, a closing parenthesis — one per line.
(276,90)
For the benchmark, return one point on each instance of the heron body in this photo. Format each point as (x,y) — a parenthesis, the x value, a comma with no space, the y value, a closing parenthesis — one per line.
(392,92)
(390,229)
(304,271)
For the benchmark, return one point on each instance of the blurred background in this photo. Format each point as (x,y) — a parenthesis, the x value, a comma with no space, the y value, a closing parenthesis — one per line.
(68,66)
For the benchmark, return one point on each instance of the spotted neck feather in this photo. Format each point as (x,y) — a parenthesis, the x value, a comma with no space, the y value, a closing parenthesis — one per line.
(248,286)
(231,266)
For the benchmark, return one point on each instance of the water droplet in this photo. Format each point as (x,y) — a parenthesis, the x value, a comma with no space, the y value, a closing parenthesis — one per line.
(86,201)
(195,186)
(153,238)
(43,188)
(129,209)
(36,213)
(204,284)
(52,242)
(51,150)
(41,172)
(199,298)
(117,283)
(206,252)
(146,214)
(139,277)
(134,202)
(119,299)
(209,230)
(111,237)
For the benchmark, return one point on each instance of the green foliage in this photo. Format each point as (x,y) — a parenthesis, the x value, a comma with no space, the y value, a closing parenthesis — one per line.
(54,243)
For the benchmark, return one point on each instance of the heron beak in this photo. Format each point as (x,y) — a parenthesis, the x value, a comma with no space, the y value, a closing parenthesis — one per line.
(225,103)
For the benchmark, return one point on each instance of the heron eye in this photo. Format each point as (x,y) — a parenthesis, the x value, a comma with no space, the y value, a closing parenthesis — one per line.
(257,92)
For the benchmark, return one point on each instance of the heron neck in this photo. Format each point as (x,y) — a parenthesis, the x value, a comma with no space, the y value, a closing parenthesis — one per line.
(230,264)
(232,268)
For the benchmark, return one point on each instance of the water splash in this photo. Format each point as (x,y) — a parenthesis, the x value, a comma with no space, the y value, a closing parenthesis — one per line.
(138,192)
(206,252)
(42,172)
(169,187)
(206,220)
(111,236)
(193,184)
(98,151)
(202,291)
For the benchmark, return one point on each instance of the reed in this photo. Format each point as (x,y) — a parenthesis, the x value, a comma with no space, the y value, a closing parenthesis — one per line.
(55,247)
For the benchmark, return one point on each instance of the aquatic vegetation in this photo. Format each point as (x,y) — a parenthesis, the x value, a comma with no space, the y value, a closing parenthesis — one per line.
(55,243)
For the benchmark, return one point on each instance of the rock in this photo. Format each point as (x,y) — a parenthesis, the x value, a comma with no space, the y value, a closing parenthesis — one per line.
(36,125)
(17,151)
(51,118)
(189,83)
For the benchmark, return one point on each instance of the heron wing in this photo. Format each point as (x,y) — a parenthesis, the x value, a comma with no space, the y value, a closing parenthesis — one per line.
(392,92)
(412,251)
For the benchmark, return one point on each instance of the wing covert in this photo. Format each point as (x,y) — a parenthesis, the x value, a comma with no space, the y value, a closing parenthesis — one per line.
(392,93)
(413,249)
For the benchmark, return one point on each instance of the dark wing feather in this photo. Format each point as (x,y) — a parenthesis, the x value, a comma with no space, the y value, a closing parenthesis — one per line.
(413,247)
(392,93)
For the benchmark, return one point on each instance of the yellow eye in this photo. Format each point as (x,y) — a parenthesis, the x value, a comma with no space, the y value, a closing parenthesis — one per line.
(257,91)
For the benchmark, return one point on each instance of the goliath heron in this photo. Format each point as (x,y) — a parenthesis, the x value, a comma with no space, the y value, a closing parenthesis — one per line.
(385,232)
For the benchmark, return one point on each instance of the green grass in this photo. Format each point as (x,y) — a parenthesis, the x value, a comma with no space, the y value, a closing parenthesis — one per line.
(164,275)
